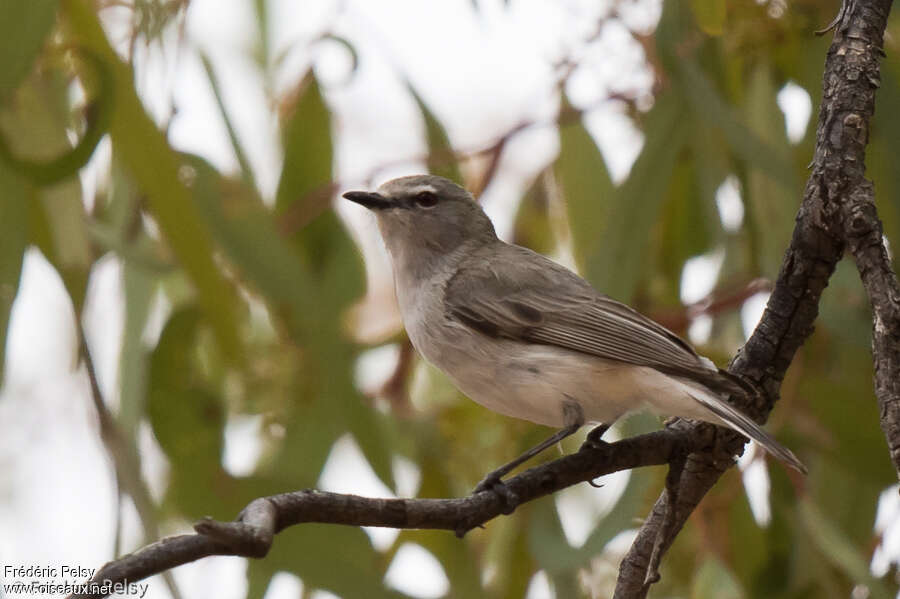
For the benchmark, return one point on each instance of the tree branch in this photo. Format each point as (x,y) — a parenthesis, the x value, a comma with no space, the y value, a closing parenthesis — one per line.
(837,209)
(847,127)
(251,534)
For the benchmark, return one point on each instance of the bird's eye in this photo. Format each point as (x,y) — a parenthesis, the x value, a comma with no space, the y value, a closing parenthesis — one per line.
(425,199)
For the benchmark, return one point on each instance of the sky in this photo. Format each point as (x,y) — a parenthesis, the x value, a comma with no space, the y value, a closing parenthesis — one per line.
(482,74)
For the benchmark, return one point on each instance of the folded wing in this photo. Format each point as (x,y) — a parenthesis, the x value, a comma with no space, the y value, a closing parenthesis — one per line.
(517,294)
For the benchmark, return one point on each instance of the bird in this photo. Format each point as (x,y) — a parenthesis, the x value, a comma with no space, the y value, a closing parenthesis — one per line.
(526,337)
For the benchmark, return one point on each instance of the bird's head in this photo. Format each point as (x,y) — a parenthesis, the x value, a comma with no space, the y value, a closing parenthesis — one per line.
(425,213)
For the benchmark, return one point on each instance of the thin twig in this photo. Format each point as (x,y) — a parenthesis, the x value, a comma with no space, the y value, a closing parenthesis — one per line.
(126,462)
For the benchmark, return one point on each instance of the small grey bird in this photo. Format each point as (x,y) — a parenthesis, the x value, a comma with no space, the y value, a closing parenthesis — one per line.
(528,338)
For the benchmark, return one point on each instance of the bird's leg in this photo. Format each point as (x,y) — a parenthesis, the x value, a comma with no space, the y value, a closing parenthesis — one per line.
(573,417)
(594,438)
(593,442)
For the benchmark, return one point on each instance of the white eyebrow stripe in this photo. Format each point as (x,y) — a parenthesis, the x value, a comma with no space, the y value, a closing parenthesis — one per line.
(422,188)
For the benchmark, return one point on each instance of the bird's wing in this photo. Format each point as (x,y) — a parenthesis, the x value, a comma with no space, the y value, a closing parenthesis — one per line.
(511,292)
(514,293)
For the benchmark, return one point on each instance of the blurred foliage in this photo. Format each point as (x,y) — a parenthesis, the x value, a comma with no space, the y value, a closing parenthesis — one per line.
(258,296)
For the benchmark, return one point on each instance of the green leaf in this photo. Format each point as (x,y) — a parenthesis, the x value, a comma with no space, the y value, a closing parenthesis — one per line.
(791,563)
(459,563)
(586,187)
(676,24)
(712,167)
(258,580)
(245,229)
(308,284)
(187,418)
(339,559)
(114,226)
(710,15)
(881,168)
(621,516)
(685,226)
(13,241)
(145,151)
(771,205)
(441,158)
(616,265)
(751,547)
(838,550)
(246,170)
(72,255)
(551,551)
(311,427)
(841,385)
(336,271)
(24,24)
(67,164)
(35,121)
(304,189)
(744,142)
(533,226)
(714,580)
(507,551)
(547,541)
(139,286)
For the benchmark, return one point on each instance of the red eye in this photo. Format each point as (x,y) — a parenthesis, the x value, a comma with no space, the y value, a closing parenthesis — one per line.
(426,199)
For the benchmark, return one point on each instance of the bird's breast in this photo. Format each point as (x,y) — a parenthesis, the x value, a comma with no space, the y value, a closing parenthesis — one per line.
(487,370)
(424,317)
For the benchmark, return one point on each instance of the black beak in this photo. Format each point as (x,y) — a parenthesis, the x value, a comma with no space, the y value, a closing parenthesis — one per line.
(369,199)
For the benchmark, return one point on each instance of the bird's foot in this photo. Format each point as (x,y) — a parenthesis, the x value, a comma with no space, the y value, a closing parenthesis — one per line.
(594,439)
(492,482)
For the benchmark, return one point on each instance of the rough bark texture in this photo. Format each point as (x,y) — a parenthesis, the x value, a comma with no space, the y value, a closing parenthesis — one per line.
(252,534)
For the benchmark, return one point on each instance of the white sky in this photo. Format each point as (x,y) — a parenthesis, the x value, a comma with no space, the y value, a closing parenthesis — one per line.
(481,74)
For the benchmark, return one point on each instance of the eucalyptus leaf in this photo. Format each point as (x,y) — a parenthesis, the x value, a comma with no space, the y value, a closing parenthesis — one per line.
(304,189)
(145,152)
(24,25)
(339,559)
(743,141)
(586,187)
(838,550)
(35,121)
(615,266)
(13,242)
(188,419)
(441,158)
(710,15)
(771,205)
(713,580)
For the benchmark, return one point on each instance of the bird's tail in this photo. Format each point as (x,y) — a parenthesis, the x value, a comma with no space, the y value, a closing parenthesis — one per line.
(744,425)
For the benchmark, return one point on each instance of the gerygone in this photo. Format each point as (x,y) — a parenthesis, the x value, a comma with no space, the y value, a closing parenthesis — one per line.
(528,338)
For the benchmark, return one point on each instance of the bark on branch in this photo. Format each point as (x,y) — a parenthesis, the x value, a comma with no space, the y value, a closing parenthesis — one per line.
(837,211)
(252,533)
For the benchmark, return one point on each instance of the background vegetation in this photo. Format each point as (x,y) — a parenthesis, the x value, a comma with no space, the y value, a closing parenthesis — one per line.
(261,293)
